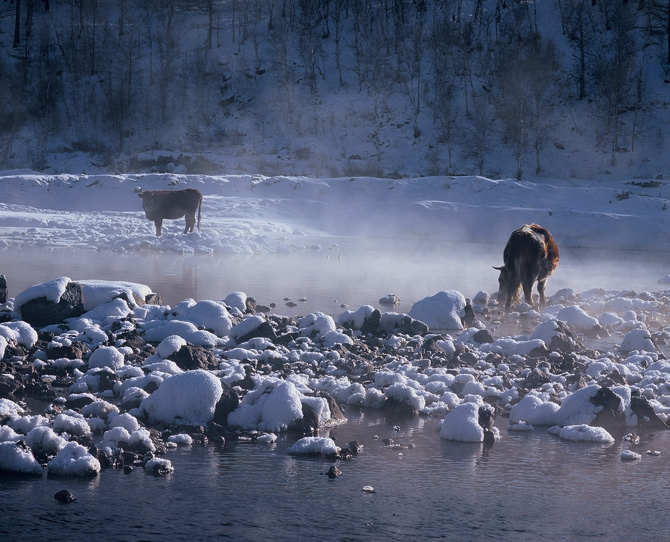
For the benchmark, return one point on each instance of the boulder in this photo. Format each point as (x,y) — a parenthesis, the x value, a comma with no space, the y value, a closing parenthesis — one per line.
(611,411)
(10,387)
(76,350)
(228,402)
(483,336)
(646,415)
(41,312)
(65,496)
(190,357)
(264,330)
(372,323)
(3,289)
(485,420)
(153,299)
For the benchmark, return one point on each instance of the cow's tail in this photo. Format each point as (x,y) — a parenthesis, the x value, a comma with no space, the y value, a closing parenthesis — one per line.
(199,209)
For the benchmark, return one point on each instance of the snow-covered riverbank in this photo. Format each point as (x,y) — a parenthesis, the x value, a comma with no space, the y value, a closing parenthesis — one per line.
(124,368)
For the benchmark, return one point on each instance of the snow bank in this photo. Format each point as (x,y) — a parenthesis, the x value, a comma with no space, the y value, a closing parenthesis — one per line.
(585,433)
(16,458)
(273,406)
(440,311)
(637,339)
(188,398)
(209,314)
(462,424)
(51,290)
(314,445)
(577,316)
(74,459)
(106,356)
(157,330)
(98,292)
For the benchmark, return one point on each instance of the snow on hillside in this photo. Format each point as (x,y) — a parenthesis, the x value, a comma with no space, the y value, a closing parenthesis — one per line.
(256,214)
(257,102)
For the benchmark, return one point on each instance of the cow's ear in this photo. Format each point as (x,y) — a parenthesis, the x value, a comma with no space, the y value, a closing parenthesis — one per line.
(140,194)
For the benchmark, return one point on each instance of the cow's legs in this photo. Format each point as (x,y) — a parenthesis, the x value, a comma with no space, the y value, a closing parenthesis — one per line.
(190,222)
(159,225)
(540,290)
(528,291)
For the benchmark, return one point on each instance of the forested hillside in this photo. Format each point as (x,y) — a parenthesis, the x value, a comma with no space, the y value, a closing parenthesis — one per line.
(562,88)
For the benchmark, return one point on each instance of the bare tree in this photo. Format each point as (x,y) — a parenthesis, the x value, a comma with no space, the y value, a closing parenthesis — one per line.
(479,132)
(658,12)
(614,74)
(581,31)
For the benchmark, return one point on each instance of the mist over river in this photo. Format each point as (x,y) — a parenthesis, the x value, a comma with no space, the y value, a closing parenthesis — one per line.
(350,273)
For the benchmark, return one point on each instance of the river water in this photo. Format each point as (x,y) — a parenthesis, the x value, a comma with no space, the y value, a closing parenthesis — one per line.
(527,486)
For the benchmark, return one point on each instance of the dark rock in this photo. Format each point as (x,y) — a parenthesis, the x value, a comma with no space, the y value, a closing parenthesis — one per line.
(336,414)
(431,345)
(645,412)
(566,341)
(354,447)
(536,379)
(76,350)
(469,318)
(152,299)
(133,339)
(467,358)
(264,330)
(228,402)
(78,402)
(486,415)
(372,323)
(65,496)
(410,326)
(217,433)
(3,289)
(130,458)
(334,472)
(538,352)
(309,423)
(286,338)
(483,336)
(107,379)
(10,387)
(41,312)
(190,357)
(611,408)
(394,409)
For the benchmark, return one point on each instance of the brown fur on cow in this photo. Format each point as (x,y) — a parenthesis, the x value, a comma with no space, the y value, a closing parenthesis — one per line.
(161,204)
(530,255)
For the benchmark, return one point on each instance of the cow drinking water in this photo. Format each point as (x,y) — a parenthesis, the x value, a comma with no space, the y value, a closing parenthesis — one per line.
(161,204)
(530,255)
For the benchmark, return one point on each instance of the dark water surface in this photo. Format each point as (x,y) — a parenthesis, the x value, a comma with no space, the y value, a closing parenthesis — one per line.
(328,280)
(527,486)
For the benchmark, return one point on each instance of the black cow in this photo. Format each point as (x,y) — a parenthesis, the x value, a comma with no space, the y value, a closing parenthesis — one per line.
(530,255)
(161,204)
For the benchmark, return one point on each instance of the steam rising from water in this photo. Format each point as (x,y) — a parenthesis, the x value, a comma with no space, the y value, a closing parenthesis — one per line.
(351,274)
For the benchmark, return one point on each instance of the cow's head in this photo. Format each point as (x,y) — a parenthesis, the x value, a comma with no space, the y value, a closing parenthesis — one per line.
(504,282)
(149,203)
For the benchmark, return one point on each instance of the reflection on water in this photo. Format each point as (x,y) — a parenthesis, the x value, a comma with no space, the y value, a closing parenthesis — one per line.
(527,486)
(326,280)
